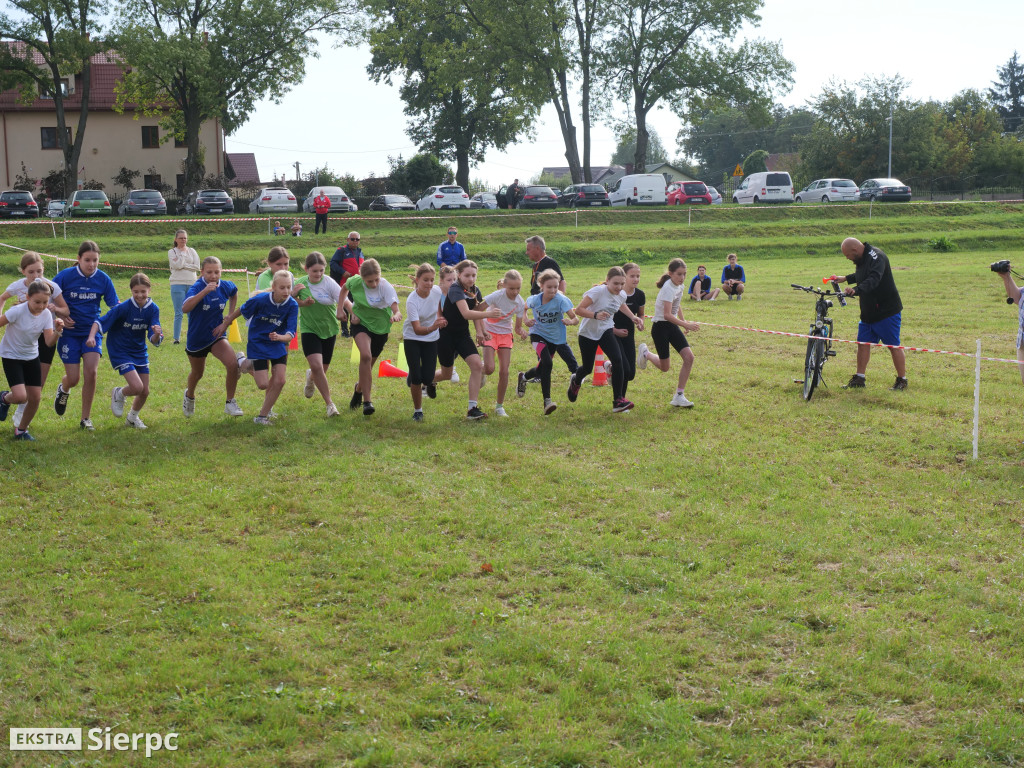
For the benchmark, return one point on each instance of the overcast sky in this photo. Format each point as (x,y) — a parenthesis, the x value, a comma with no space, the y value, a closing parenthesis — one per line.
(337,117)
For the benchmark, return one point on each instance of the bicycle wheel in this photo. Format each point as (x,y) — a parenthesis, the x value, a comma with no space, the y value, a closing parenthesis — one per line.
(812,366)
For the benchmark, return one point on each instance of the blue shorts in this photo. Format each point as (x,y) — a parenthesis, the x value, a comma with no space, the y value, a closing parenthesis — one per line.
(886,331)
(129,365)
(71,348)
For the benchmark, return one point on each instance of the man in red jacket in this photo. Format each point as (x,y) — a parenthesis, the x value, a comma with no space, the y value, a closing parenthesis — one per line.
(322,205)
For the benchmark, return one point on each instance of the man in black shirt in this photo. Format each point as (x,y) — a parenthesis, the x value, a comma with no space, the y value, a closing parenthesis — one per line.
(880,308)
(536,252)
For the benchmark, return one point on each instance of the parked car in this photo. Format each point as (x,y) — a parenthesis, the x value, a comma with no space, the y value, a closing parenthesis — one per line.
(339,200)
(885,190)
(638,189)
(576,195)
(392,203)
(764,187)
(17,204)
(274,199)
(536,196)
(484,200)
(716,196)
(209,201)
(687,193)
(828,191)
(144,202)
(443,196)
(556,190)
(89,202)
(352,207)
(55,208)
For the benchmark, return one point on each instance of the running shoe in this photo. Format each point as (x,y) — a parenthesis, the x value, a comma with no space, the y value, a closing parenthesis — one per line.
(4,406)
(549,406)
(263,421)
(455,377)
(855,382)
(231,408)
(679,400)
(368,408)
(188,405)
(608,367)
(117,402)
(621,405)
(18,413)
(332,410)
(499,410)
(574,387)
(133,420)
(431,389)
(475,413)
(86,424)
(641,356)
(60,402)
(310,387)
(417,415)
(521,385)
(357,399)
(24,436)
(900,385)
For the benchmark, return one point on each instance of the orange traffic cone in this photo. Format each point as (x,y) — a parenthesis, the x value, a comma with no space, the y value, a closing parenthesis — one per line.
(294,343)
(388,371)
(600,374)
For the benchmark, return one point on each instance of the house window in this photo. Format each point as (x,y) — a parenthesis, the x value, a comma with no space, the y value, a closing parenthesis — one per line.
(150,137)
(48,138)
(46,92)
(179,182)
(151,181)
(178,143)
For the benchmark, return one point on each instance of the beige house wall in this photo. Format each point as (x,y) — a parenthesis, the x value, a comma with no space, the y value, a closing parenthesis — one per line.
(112,140)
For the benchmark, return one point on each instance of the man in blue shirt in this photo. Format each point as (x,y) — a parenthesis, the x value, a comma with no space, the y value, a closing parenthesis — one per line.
(451,251)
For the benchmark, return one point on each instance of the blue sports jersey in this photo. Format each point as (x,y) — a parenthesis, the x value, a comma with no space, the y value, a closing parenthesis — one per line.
(127,327)
(207,314)
(266,317)
(549,326)
(83,295)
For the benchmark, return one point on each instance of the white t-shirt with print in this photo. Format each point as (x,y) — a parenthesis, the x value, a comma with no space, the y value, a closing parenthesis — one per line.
(603,301)
(510,309)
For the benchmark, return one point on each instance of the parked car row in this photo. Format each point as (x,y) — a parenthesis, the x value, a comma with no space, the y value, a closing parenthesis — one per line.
(846,190)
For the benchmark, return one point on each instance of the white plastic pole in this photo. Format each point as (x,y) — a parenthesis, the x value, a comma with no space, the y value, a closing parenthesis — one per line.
(977,396)
(689,215)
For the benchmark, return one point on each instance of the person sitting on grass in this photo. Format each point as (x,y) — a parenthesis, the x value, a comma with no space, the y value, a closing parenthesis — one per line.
(278,229)
(296,229)
(733,279)
(700,286)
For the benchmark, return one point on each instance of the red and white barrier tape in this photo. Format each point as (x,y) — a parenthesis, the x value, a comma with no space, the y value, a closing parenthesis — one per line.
(59,259)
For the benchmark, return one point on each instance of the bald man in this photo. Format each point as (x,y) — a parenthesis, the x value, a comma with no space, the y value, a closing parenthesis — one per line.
(880,309)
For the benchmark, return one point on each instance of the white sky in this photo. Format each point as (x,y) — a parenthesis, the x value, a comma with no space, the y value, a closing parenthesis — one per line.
(339,118)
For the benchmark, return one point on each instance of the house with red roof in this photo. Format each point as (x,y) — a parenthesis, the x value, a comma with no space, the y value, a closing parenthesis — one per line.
(28,134)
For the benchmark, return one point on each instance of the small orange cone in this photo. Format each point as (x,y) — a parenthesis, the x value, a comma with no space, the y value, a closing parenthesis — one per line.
(600,374)
(388,371)
(294,343)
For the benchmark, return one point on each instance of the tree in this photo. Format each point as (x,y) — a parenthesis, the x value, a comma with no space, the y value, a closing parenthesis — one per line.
(1008,94)
(431,46)
(197,60)
(126,178)
(625,149)
(755,162)
(61,34)
(425,170)
(677,51)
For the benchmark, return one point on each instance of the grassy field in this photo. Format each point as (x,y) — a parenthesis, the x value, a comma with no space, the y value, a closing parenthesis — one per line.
(760,581)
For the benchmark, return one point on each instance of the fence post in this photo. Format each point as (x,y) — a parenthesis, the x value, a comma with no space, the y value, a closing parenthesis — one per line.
(977,397)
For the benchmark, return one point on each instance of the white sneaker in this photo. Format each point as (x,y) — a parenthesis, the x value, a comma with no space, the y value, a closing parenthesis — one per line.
(231,408)
(608,367)
(244,364)
(499,410)
(641,356)
(455,377)
(188,405)
(117,402)
(310,387)
(263,421)
(18,413)
(240,358)
(483,381)
(332,410)
(679,400)
(133,420)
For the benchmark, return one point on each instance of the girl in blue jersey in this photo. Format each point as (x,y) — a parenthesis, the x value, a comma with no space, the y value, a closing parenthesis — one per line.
(273,322)
(207,333)
(547,332)
(83,286)
(127,325)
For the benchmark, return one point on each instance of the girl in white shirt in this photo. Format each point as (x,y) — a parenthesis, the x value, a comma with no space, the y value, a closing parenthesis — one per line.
(420,333)
(184,263)
(498,332)
(666,330)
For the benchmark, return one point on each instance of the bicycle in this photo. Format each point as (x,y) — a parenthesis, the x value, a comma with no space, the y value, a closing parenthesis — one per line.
(819,347)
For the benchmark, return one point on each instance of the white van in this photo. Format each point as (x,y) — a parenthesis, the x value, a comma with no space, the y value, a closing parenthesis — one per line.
(765,187)
(639,189)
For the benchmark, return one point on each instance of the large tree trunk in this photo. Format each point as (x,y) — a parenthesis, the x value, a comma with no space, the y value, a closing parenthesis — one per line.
(72,152)
(195,169)
(563,106)
(640,155)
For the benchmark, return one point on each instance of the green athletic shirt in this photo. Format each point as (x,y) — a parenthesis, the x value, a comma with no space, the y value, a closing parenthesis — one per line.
(373,309)
(265,280)
(320,318)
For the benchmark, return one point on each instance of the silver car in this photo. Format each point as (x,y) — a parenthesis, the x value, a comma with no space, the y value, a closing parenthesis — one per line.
(340,202)
(828,191)
(274,200)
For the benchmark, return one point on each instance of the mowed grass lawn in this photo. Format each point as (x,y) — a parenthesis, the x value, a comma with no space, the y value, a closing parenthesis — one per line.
(758,581)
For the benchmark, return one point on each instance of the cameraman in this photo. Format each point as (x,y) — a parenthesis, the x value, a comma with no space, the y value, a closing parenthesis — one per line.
(1013,293)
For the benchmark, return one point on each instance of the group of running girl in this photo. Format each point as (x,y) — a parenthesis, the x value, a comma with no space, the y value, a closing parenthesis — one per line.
(446,316)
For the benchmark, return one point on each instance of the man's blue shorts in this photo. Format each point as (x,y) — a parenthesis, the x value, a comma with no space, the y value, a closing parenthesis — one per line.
(72,348)
(886,331)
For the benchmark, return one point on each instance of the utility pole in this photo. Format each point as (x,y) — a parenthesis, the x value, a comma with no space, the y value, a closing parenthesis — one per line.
(297,177)
(890,140)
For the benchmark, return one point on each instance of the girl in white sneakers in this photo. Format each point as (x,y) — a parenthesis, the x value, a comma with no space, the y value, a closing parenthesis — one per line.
(667,330)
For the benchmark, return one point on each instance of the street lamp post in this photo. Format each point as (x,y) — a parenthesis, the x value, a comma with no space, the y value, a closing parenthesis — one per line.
(890,140)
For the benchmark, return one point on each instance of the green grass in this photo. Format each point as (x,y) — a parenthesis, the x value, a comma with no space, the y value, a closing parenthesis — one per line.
(760,581)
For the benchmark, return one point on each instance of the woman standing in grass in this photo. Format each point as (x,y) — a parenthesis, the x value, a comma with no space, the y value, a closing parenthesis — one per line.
(84,286)
(547,332)
(207,333)
(19,353)
(127,325)
(625,328)
(667,330)
(420,332)
(374,309)
(317,297)
(32,267)
(597,310)
(498,333)
(184,263)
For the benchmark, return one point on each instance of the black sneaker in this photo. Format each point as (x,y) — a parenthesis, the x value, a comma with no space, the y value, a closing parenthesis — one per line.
(574,387)
(368,408)
(899,386)
(356,401)
(855,382)
(4,407)
(521,386)
(417,416)
(60,402)
(432,391)
(23,436)
(344,331)
(475,413)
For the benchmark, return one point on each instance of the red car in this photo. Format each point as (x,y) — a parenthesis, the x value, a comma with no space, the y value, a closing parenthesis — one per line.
(687,192)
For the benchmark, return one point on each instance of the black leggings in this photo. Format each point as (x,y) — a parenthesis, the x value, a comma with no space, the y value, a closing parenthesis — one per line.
(421,357)
(627,348)
(610,346)
(543,368)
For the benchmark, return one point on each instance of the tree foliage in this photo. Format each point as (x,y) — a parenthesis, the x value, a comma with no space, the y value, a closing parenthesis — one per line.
(1007,94)
(126,178)
(198,60)
(625,149)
